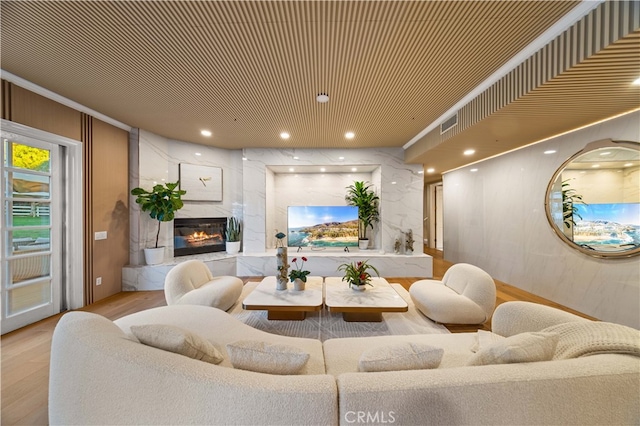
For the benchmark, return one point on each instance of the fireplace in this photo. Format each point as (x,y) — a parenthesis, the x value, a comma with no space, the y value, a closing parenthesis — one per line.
(198,235)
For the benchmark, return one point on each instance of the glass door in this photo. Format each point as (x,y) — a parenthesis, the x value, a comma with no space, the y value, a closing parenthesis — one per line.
(31,232)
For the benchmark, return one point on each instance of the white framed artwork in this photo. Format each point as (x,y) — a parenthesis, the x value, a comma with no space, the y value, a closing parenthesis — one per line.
(202,183)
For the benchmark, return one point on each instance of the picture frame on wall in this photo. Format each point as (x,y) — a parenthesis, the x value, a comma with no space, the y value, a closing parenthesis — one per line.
(202,183)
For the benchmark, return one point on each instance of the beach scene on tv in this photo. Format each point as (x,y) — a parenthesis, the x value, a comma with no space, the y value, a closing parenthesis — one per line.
(607,226)
(322,226)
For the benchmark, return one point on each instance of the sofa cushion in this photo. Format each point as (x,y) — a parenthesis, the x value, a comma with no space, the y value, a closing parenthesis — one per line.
(400,356)
(178,340)
(523,347)
(263,357)
(578,339)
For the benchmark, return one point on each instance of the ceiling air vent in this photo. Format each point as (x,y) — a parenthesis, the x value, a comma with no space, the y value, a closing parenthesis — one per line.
(449,123)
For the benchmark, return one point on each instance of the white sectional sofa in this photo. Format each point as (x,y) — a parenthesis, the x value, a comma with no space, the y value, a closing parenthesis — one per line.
(101,374)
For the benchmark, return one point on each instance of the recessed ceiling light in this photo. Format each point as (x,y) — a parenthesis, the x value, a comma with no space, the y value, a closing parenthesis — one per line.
(244,158)
(473,170)
(606,153)
(340,158)
(349,135)
(291,169)
(628,165)
(322,169)
(322,98)
(354,169)
(198,154)
(550,151)
(206,133)
(636,82)
(393,183)
(284,135)
(469,152)
(295,157)
(595,166)
(431,170)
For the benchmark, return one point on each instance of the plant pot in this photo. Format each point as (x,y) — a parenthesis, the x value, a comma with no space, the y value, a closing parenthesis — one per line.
(359,287)
(298,284)
(154,256)
(233,247)
(363,244)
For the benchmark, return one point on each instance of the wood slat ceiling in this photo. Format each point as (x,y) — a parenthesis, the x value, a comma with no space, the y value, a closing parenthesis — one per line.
(249,70)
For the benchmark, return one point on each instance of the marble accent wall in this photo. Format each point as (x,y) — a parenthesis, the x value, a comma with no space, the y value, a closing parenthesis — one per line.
(399,185)
(495,218)
(156,159)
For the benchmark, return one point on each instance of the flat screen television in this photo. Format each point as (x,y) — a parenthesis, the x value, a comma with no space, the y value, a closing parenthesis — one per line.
(322,226)
(614,225)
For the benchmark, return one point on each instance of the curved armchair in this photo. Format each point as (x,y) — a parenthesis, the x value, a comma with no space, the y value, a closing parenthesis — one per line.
(466,295)
(191,283)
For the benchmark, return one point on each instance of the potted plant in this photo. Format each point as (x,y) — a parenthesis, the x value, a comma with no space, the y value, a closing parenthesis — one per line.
(161,203)
(569,199)
(298,276)
(232,235)
(365,199)
(357,274)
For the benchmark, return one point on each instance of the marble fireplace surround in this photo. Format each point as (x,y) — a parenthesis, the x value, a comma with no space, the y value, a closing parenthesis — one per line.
(256,189)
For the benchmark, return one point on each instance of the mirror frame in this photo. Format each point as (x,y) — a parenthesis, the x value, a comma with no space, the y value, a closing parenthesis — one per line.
(605,143)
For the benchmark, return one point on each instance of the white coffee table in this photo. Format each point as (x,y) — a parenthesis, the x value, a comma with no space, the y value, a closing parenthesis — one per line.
(285,304)
(367,305)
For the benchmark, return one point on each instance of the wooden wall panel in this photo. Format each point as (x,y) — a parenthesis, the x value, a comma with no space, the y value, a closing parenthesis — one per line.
(109,206)
(41,113)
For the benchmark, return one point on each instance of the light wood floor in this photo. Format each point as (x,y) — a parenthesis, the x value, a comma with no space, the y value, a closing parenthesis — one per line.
(25,352)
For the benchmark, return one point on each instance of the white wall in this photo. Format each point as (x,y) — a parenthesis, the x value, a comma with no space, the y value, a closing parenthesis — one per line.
(257,195)
(158,160)
(495,219)
(399,185)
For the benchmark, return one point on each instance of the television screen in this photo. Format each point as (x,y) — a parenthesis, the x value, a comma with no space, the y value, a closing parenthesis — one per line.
(607,226)
(322,226)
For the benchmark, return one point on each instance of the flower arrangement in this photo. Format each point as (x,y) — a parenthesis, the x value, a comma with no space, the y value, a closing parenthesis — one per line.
(298,272)
(357,273)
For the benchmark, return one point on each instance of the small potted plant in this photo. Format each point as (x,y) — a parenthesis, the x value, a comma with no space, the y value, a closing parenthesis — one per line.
(232,235)
(161,203)
(357,274)
(365,199)
(297,275)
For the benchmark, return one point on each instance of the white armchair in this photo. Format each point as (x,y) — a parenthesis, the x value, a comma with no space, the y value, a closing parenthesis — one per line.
(466,295)
(191,283)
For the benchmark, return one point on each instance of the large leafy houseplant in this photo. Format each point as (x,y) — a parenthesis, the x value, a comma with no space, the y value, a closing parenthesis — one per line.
(161,202)
(570,198)
(360,195)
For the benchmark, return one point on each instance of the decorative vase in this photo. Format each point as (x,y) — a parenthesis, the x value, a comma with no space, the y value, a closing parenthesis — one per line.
(363,244)
(154,256)
(298,284)
(362,287)
(283,268)
(232,247)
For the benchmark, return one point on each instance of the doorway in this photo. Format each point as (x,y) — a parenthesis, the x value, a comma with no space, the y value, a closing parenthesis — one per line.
(37,198)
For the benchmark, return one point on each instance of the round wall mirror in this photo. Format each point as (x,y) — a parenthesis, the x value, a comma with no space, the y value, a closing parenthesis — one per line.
(593,199)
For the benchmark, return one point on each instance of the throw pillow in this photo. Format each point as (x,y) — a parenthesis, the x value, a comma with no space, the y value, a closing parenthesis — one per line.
(582,338)
(523,347)
(401,356)
(178,340)
(483,339)
(263,357)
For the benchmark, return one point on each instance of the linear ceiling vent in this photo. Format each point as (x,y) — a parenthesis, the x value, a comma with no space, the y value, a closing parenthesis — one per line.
(449,123)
